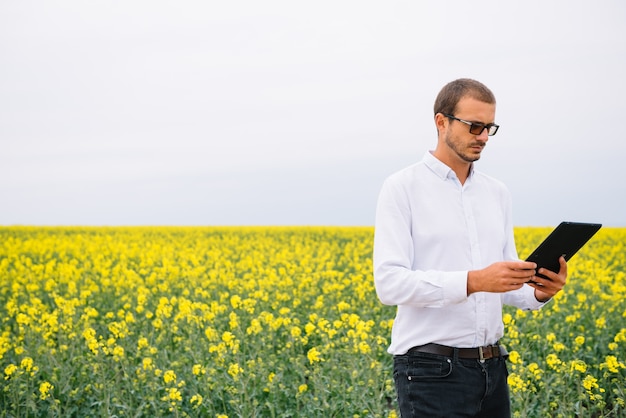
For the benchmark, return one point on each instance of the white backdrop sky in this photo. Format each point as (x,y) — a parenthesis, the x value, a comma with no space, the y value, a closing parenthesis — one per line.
(294,112)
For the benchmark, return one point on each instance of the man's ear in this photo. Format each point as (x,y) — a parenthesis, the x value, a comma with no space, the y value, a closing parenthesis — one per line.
(440,122)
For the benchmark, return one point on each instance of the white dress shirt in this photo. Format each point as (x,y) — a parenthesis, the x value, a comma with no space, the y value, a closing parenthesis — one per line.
(430,231)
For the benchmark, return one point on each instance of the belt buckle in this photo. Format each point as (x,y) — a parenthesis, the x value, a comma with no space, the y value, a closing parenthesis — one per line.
(481,355)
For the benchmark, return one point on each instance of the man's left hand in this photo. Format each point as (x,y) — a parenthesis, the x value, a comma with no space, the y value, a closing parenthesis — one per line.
(547,288)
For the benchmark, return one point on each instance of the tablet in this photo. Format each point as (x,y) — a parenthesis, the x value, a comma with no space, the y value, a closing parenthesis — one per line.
(566,239)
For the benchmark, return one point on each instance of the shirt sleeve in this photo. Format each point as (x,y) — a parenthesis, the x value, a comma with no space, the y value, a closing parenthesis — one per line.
(395,280)
(523,298)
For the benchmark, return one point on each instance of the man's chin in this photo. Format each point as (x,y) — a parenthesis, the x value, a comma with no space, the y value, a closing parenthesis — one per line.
(471,158)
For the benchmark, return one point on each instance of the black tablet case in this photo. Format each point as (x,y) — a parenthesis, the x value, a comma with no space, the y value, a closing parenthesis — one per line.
(565,240)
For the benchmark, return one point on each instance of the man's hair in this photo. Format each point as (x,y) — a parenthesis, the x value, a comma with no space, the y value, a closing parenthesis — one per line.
(451,93)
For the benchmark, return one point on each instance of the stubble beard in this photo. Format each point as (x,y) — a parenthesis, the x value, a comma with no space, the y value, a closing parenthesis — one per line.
(458,150)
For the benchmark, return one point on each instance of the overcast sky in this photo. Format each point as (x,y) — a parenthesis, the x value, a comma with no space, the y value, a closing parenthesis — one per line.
(293,113)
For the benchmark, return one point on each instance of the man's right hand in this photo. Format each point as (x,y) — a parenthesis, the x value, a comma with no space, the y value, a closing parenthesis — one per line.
(500,277)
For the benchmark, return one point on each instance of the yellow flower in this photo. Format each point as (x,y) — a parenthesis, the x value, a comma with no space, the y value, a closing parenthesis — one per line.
(535,370)
(254,328)
(211,334)
(118,353)
(554,362)
(514,357)
(89,334)
(313,355)
(196,400)
(198,370)
(27,365)
(142,343)
(364,347)
(118,329)
(9,370)
(303,388)
(235,301)
(590,382)
(296,332)
(235,370)
(169,376)
(343,306)
(44,390)
(516,383)
(612,364)
(22,319)
(147,363)
(173,395)
(579,366)
(157,324)
(309,328)
(228,337)
(93,345)
(233,322)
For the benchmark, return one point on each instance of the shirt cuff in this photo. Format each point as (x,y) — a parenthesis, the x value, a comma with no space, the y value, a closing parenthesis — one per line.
(455,287)
(532,300)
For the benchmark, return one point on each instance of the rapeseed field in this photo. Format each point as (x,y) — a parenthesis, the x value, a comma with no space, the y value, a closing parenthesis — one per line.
(231,322)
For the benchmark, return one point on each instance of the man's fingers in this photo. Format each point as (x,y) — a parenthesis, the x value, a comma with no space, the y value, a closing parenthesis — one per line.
(522,265)
(523,274)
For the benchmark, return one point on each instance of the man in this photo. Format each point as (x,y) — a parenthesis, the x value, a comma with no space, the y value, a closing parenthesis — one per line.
(444,253)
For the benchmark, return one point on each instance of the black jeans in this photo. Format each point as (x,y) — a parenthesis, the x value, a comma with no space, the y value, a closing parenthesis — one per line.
(430,385)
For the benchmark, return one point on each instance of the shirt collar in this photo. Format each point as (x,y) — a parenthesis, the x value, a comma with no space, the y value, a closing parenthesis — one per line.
(439,168)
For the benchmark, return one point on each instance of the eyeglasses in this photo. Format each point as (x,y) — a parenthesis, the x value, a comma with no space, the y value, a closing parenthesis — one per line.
(477,128)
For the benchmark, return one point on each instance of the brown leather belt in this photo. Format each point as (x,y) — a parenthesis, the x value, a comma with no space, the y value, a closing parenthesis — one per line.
(479,353)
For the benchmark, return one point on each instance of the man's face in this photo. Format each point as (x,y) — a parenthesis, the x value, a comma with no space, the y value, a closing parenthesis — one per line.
(463,144)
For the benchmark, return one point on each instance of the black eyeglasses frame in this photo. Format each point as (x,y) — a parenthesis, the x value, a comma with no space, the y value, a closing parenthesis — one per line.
(476,128)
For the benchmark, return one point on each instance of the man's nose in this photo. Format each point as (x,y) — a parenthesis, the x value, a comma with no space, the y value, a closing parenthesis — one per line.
(484,135)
